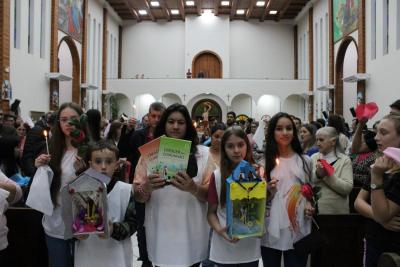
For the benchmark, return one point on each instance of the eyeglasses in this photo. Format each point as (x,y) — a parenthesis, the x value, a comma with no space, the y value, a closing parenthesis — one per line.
(65,120)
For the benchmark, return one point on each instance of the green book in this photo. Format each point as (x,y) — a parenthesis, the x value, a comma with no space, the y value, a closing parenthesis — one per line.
(173,156)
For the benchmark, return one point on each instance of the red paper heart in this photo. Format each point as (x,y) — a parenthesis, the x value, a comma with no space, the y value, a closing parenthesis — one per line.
(328,167)
(366,110)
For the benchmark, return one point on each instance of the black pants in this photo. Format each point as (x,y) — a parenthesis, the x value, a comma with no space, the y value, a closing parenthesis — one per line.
(141,233)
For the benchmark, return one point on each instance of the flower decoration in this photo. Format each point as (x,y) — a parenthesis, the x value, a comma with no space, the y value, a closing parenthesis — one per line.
(310,192)
(79,138)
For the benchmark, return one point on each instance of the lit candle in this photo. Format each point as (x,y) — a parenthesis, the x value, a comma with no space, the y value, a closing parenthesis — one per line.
(277,161)
(195,124)
(47,144)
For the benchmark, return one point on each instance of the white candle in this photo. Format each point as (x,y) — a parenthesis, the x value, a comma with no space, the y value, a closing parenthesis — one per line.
(47,144)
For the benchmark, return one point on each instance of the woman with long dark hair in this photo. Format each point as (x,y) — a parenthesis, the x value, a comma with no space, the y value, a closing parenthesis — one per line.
(286,168)
(64,163)
(175,221)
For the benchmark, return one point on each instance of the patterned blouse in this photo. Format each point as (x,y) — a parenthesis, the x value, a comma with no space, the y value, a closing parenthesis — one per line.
(361,166)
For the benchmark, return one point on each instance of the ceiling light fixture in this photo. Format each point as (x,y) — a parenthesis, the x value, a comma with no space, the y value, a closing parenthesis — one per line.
(143,12)
(155,3)
(273,12)
(260,3)
(174,11)
(190,3)
(240,12)
(225,3)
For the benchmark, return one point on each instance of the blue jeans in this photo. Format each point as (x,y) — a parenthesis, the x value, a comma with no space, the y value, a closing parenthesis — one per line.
(60,252)
(247,264)
(272,258)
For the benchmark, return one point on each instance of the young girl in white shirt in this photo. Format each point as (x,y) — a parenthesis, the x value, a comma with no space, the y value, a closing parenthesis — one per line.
(226,251)
(287,219)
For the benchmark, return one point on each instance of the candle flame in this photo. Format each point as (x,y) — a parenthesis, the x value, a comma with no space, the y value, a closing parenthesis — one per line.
(195,124)
(45,133)
(277,162)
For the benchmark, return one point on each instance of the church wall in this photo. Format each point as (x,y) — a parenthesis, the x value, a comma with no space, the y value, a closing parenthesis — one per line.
(27,70)
(383,86)
(261,50)
(208,32)
(167,49)
(155,49)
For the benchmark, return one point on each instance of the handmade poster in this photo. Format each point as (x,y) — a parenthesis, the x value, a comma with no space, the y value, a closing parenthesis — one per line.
(149,153)
(84,205)
(246,198)
(173,156)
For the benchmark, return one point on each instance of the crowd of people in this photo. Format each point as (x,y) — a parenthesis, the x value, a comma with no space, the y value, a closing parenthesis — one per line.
(183,222)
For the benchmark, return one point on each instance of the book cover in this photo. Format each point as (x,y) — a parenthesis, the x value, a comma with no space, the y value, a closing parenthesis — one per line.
(173,156)
(149,152)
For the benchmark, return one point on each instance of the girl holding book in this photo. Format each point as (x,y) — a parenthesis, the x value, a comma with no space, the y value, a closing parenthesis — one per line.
(226,251)
(64,163)
(175,221)
(286,169)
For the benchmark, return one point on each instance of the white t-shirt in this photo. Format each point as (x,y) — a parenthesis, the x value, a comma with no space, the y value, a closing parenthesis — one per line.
(53,225)
(176,223)
(97,252)
(285,222)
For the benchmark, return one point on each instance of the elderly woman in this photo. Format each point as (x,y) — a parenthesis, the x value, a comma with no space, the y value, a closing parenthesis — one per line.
(175,222)
(335,189)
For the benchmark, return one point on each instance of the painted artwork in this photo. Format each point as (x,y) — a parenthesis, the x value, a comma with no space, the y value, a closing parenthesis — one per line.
(345,18)
(70,18)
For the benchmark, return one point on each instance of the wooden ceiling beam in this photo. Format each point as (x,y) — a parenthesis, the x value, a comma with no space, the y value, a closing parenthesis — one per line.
(216,6)
(182,9)
(266,10)
(198,7)
(165,9)
(250,9)
(284,9)
(132,10)
(233,9)
(150,13)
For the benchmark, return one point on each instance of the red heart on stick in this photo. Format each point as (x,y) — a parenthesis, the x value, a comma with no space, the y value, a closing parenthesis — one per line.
(328,167)
(366,110)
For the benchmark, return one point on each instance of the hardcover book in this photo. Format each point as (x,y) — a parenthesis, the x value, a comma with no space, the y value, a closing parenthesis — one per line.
(173,156)
(246,197)
(84,205)
(149,152)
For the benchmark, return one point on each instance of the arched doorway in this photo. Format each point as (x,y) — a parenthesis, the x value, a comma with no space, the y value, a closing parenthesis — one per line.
(214,111)
(208,65)
(69,63)
(340,60)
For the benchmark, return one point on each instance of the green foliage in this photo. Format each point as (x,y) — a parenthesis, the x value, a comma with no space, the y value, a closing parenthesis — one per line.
(114,107)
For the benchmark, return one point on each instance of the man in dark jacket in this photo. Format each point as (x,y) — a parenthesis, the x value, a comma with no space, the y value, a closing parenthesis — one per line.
(139,138)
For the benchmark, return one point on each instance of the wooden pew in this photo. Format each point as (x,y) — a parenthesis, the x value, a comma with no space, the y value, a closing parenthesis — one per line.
(345,246)
(27,246)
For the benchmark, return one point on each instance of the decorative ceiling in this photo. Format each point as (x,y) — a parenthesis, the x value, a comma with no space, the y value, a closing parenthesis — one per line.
(149,10)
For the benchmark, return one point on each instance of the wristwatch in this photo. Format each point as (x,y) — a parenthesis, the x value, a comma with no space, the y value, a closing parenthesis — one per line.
(376,186)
